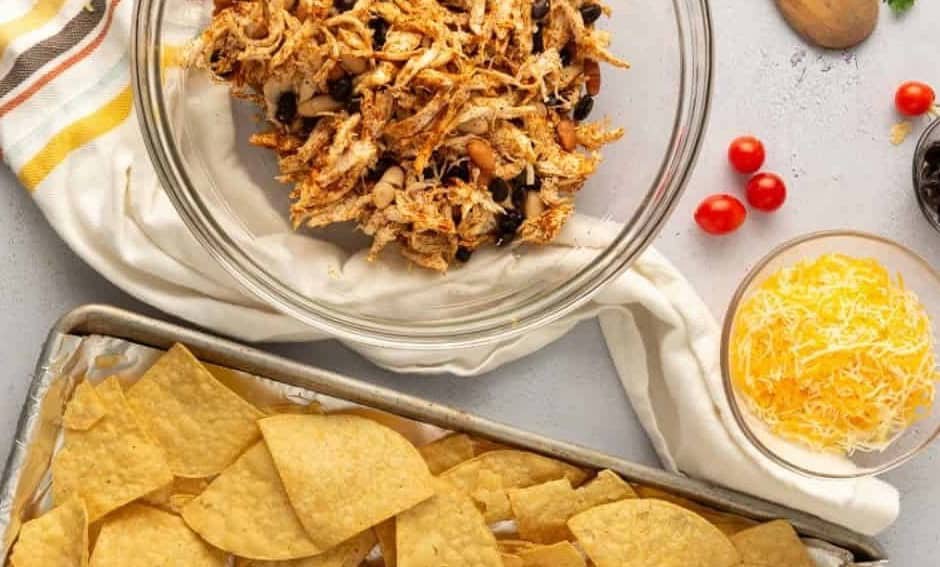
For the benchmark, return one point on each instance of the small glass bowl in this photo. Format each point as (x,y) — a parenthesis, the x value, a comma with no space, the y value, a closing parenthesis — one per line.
(918,276)
(930,209)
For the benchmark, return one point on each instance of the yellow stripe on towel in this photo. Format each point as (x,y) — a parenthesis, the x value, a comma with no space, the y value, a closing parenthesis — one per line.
(38,15)
(75,136)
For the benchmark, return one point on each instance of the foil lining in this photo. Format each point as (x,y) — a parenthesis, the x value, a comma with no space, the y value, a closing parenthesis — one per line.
(67,359)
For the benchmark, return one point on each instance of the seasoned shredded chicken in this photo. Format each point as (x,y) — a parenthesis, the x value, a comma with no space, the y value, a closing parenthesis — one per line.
(439,125)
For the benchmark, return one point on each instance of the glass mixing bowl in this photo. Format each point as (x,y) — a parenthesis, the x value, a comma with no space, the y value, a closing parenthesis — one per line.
(226,194)
(918,276)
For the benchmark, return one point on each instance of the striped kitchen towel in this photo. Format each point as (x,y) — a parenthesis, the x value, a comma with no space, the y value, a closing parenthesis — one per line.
(66,81)
(68,132)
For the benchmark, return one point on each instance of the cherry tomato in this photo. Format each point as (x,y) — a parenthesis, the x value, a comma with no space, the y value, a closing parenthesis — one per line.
(720,214)
(746,154)
(914,98)
(766,192)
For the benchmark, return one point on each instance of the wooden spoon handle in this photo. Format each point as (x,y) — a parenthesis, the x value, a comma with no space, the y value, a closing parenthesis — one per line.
(835,24)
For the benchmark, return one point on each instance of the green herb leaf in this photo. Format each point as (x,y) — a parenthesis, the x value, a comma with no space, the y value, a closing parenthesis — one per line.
(900,6)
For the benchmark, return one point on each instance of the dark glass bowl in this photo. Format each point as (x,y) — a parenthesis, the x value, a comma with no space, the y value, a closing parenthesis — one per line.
(927,183)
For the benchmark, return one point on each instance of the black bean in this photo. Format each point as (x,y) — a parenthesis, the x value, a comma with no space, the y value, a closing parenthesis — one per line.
(215,57)
(380,168)
(932,161)
(507,225)
(463,254)
(568,53)
(379,32)
(540,9)
(538,41)
(428,172)
(341,89)
(354,106)
(499,189)
(932,155)
(457,215)
(518,197)
(510,221)
(458,171)
(590,13)
(286,107)
(554,101)
(308,124)
(584,107)
(344,5)
(931,193)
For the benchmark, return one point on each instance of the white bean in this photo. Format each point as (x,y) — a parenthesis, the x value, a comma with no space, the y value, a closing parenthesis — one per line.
(383,194)
(318,105)
(533,205)
(355,65)
(478,126)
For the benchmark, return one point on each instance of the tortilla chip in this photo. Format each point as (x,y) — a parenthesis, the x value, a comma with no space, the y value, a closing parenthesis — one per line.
(58,537)
(344,474)
(385,532)
(511,560)
(481,445)
(314,407)
(650,533)
(245,511)
(445,530)
(202,425)
(729,524)
(515,546)
(416,433)
(447,452)
(488,477)
(542,511)
(561,554)
(141,536)
(85,408)
(175,495)
(350,553)
(111,464)
(771,545)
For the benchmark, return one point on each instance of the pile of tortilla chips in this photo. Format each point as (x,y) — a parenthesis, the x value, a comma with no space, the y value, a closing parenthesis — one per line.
(177,469)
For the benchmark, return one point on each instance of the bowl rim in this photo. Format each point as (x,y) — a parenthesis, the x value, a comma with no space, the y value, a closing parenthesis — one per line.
(695,87)
(725,354)
(920,149)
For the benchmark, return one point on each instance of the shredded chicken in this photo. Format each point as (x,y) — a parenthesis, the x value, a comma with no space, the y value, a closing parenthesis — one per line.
(433,124)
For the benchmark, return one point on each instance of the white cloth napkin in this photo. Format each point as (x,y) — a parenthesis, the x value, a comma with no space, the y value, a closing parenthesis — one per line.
(67,130)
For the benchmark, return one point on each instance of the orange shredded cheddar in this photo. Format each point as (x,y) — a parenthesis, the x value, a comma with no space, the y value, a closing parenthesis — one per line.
(835,354)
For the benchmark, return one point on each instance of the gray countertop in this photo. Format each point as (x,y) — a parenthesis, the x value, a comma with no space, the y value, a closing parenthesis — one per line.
(825,118)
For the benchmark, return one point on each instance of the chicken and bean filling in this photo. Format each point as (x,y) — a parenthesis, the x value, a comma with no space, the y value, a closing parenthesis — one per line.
(439,125)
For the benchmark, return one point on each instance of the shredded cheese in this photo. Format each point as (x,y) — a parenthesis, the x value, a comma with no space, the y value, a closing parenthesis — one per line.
(835,354)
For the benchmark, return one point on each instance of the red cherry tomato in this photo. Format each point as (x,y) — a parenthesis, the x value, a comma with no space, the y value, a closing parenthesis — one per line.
(766,192)
(746,154)
(914,98)
(720,214)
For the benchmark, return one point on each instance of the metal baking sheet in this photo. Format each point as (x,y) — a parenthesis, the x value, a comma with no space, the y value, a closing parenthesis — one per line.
(25,479)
